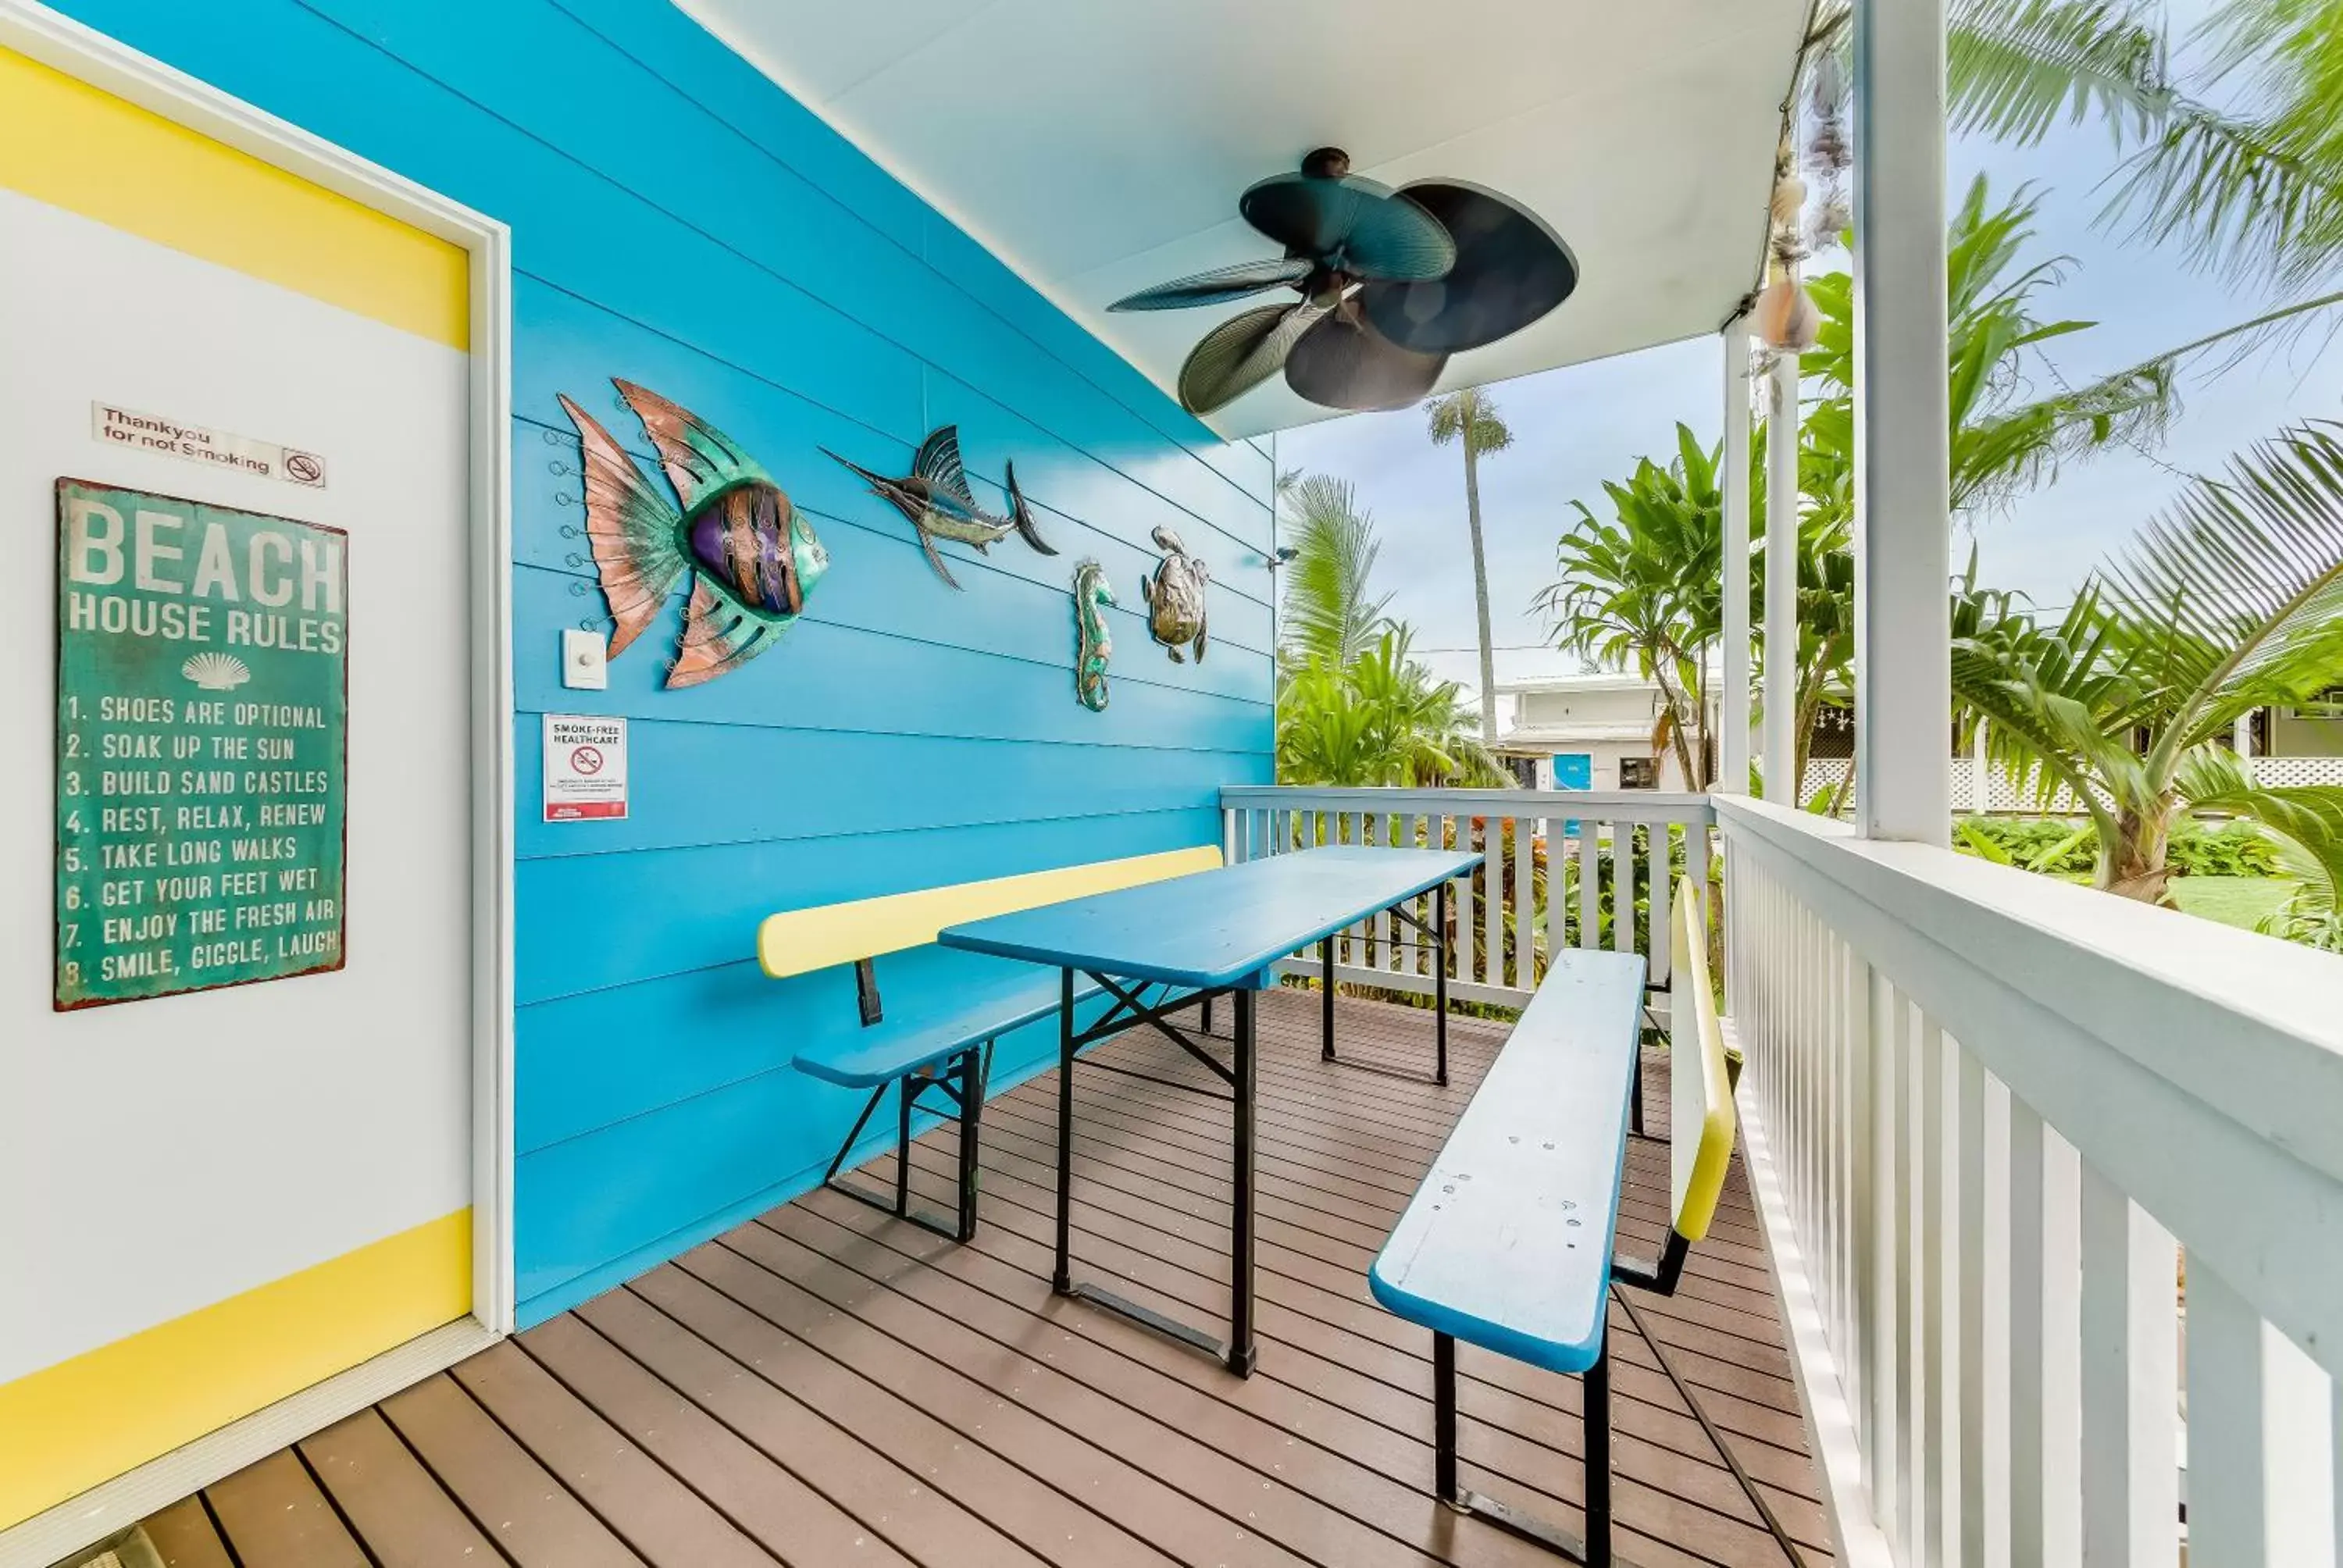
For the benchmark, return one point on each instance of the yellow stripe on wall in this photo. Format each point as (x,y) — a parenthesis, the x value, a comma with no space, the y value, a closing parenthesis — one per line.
(66,1428)
(66,143)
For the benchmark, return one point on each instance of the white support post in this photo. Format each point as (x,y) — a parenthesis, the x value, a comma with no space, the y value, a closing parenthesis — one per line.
(2241,736)
(1782,580)
(1903,676)
(1733,477)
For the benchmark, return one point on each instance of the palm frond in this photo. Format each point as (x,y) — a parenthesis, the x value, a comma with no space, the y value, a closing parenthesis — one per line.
(2234,596)
(2235,196)
(2015,71)
(2306,818)
(1330,611)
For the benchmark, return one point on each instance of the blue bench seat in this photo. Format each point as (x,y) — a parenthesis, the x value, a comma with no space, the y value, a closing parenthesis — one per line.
(1509,1243)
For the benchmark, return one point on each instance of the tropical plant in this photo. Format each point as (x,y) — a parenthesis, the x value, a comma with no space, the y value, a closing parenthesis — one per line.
(2230,601)
(2235,156)
(1331,612)
(1382,719)
(1469,418)
(2008,435)
(1643,590)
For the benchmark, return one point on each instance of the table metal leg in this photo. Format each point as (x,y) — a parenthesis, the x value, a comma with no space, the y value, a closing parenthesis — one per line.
(1326,981)
(1062,1280)
(904,1090)
(1442,950)
(1241,1346)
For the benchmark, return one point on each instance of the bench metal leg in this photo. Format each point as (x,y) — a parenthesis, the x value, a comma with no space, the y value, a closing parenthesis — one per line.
(1594,1550)
(963,1083)
(1062,1278)
(1441,950)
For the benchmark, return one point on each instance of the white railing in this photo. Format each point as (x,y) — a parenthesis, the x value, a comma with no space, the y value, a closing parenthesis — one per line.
(1559,869)
(1993,1120)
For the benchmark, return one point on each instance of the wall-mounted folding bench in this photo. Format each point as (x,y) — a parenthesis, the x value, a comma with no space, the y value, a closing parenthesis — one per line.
(947,1049)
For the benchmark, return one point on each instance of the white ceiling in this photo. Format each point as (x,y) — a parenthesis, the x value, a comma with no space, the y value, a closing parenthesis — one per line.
(1100,145)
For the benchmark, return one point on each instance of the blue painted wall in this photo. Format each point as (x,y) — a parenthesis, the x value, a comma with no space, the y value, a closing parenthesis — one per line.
(680,221)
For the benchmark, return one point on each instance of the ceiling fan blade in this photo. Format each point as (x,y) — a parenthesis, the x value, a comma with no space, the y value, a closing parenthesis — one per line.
(1352,223)
(1242,353)
(1510,269)
(1345,362)
(1219,285)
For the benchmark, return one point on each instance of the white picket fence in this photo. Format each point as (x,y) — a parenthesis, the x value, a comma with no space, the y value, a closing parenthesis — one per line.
(2002,793)
(1520,906)
(1990,1119)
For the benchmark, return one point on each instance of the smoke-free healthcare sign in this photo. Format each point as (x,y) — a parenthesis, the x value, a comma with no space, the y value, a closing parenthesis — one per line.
(585,767)
(202,664)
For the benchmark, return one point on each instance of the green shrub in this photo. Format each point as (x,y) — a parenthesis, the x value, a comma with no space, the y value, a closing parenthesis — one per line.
(2058,846)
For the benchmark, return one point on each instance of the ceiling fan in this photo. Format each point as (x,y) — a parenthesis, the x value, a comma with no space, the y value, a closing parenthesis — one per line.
(1393,282)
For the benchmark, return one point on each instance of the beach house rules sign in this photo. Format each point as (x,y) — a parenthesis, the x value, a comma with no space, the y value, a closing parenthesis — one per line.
(202,716)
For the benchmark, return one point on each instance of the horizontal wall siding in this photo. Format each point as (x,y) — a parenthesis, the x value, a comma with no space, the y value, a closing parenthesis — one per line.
(679,222)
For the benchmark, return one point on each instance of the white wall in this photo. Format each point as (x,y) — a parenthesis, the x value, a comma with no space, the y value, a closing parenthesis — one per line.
(158,1156)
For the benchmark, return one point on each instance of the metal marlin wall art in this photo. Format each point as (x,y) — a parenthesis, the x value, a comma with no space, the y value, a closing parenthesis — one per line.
(1092,644)
(753,556)
(935,499)
(1175,597)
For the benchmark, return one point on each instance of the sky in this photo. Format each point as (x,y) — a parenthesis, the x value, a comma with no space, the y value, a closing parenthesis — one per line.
(1576,427)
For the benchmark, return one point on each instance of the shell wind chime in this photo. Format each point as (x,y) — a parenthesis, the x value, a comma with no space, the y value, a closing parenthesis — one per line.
(1785,318)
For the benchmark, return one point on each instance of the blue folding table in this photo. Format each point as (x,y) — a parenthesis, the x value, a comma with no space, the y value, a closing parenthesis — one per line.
(1199,937)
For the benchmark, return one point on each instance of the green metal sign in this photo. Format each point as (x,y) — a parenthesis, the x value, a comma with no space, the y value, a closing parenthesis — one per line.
(202,720)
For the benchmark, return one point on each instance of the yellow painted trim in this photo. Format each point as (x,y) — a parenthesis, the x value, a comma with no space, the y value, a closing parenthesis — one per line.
(66,1428)
(1703,1183)
(799,941)
(66,143)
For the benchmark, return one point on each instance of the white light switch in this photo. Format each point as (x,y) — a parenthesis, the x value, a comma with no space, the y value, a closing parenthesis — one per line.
(585,659)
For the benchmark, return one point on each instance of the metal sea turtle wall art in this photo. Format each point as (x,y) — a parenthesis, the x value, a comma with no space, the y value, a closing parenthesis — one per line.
(753,557)
(1093,645)
(1175,597)
(935,499)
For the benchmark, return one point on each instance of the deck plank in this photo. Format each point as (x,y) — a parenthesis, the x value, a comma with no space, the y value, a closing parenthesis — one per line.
(404,1516)
(183,1536)
(273,1516)
(824,1385)
(532,1517)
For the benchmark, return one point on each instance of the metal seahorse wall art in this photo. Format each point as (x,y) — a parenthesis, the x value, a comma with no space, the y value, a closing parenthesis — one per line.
(1092,644)
(752,557)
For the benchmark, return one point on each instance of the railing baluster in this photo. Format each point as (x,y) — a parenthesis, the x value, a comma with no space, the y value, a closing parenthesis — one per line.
(2260,1472)
(1590,927)
(1379,954)
(1663,890)
(1976,1365)
(2130,1492)
(1524,921)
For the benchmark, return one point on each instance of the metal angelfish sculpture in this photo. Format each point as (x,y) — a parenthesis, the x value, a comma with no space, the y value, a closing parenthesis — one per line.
(1175,597)
(753,556)
(936,500)
(1092,645)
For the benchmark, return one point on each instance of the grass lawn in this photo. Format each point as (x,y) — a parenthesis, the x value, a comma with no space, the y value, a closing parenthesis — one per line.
(2232,900)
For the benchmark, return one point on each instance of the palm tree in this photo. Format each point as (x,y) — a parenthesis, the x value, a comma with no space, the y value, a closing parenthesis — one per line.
(1330,612)
(2231,600)
(1470,419)
(2250,188)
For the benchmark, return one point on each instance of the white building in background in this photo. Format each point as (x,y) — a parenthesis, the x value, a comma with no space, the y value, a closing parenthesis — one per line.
(1589,732)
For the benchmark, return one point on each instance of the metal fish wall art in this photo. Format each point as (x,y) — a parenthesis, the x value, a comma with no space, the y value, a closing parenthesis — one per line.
(934,496)
(1175,597)
(753,556)
(1092,644)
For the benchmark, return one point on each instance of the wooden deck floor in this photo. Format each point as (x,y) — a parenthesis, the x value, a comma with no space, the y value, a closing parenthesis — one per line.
(828,1386)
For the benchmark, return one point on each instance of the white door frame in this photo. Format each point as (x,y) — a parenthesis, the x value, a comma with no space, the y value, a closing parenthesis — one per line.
(41,33)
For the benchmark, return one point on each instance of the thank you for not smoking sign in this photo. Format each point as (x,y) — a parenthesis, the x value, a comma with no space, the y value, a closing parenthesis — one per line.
(585,767)
(201,725)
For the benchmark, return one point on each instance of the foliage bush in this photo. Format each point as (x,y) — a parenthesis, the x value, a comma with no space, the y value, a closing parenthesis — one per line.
(2054,846)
